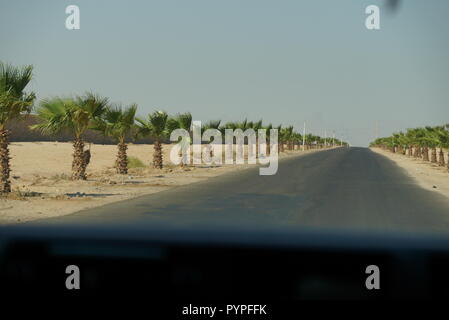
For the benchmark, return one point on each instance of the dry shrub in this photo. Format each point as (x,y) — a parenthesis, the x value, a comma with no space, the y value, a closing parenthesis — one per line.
(134,162)
(19,194)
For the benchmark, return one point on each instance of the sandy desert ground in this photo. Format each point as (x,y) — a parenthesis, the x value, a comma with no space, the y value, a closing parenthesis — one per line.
(428,176)
(42,186)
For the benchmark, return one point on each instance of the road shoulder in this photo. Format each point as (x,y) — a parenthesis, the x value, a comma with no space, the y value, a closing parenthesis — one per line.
(427,175)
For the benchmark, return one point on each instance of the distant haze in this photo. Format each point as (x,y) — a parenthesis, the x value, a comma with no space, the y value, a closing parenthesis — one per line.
(283,61)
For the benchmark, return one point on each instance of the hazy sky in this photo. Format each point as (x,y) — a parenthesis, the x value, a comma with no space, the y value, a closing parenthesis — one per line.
(285,61)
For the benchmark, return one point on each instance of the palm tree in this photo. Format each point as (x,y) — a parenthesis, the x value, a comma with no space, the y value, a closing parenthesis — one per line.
(419,139)
(297,138)
(398,145)
(310,138)
(418,135)
(243,125)
(408,141)
(256,126)
(268,136)
(156,126)
(403,142)
(321,142)
(287,136)
(280,138)
(212,124)
(434,138)
(181,121)
(75,115)
(442,133)
(118,123)
(13,102)
(229,152)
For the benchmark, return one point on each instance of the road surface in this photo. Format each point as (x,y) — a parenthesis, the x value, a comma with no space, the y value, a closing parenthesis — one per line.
(345,188)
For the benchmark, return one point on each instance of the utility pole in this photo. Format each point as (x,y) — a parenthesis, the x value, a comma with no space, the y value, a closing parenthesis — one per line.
(304,137)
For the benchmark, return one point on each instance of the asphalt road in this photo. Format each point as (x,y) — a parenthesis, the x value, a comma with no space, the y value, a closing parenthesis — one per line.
(346,188)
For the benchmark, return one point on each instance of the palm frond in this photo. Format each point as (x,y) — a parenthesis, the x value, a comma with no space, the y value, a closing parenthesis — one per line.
(13,100)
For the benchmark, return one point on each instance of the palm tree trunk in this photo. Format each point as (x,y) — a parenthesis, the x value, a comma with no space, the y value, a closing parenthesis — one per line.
(448,161)
(241,149)
(229,152)
(5,186)
(185,153)
(121,164)
(441,158)
(158,161)
(425,154)
(78,164)
(180,154)
(250,149)
(433,157)
(257,146)
(86,158)
(268,148)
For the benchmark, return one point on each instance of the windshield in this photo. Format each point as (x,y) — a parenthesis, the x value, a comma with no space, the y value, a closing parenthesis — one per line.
(206,151)
(327,115)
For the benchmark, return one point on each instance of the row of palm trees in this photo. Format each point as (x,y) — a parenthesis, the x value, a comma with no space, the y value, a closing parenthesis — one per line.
(90,111)
(418,143)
